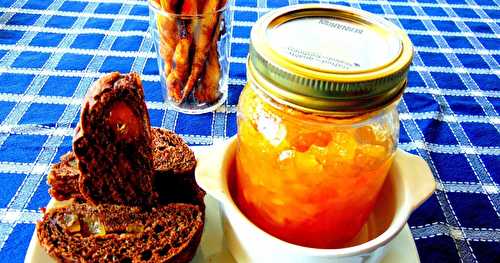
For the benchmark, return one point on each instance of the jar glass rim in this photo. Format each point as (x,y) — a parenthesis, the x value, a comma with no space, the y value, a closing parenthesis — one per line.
(304,116)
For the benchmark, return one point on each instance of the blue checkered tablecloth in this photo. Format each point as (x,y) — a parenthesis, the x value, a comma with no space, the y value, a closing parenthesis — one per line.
(51,51)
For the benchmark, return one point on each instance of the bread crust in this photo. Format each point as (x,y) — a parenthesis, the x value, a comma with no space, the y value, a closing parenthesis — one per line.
(114,170)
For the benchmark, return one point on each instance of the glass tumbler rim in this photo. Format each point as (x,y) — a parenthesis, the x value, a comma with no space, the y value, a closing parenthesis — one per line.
(155,8)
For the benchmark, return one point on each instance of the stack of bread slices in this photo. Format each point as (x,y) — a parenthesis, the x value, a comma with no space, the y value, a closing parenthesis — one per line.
(131,188)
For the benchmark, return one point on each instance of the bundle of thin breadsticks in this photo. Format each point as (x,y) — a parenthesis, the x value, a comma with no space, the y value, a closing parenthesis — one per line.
(189,33)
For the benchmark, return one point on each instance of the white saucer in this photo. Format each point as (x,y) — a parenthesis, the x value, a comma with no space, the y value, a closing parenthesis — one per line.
(213,249)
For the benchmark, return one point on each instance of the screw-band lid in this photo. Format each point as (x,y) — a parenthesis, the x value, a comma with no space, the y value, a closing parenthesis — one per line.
(329,58)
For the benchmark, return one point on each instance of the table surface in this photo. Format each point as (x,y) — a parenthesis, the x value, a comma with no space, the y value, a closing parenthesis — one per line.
(51,51)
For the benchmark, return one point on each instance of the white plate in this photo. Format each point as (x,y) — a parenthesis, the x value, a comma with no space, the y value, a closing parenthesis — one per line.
(212,248)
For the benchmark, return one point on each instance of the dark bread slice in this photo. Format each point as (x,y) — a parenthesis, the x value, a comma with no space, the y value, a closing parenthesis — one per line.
(174,164)
(113,143)
(171,153)
(113,233)
(63,178)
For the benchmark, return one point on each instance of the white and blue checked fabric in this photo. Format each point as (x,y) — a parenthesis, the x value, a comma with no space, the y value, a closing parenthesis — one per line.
(51,51)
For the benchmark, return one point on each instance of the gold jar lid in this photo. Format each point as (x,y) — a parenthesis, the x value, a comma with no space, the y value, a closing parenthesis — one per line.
(329,59)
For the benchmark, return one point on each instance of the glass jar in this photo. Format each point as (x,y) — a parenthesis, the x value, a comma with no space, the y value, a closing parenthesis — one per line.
(192,44)
(317,122)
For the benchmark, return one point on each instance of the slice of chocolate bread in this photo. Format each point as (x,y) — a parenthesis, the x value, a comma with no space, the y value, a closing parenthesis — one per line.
(174,164)
(171,153)
(63,178)
(112,233)
(113,143)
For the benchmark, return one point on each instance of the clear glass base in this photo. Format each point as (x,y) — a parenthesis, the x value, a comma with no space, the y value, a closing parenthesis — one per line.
(190,108)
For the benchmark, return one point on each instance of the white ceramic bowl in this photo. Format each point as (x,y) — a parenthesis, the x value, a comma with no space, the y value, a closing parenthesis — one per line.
(409,184)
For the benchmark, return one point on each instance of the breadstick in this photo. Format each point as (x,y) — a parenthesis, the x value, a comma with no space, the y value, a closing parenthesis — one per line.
(208,89)
(208,23)
(178,74)
(167,28)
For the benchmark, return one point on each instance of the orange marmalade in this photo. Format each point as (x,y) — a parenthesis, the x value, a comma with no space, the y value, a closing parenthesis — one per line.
(317,121)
